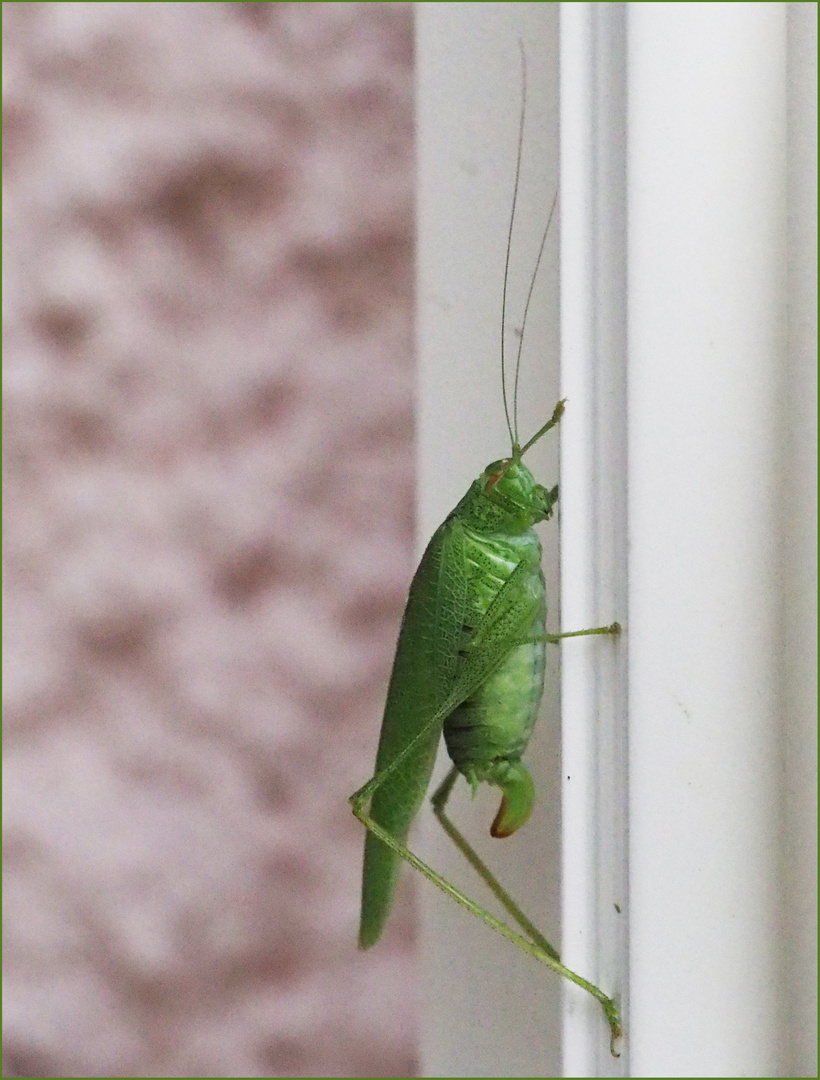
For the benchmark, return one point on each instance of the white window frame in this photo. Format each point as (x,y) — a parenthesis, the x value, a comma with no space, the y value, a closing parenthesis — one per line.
(688,510)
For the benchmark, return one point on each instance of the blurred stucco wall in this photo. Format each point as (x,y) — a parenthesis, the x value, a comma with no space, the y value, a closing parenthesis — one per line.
(208,531)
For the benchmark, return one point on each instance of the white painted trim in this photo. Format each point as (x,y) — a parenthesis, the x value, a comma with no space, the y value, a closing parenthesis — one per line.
(706,320)
(798,536)
(690,371)
(490,1010)
(593,526)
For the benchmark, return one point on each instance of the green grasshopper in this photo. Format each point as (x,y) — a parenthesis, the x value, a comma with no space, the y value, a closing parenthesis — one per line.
(470,664)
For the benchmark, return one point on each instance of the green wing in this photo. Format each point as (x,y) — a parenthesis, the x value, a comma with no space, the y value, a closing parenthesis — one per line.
(435,669)
(422,678)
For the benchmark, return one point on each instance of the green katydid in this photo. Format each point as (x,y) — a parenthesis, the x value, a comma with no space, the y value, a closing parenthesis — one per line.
(470,664)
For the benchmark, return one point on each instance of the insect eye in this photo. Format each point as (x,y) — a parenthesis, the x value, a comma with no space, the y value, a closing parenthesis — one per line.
(496,476)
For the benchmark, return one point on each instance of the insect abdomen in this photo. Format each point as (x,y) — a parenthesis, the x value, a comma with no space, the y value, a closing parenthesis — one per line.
(495,723)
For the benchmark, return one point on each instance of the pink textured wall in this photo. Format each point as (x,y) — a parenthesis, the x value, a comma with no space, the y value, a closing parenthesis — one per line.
(208,531)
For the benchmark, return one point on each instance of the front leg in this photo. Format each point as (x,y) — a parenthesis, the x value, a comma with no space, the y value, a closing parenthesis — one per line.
(553,639)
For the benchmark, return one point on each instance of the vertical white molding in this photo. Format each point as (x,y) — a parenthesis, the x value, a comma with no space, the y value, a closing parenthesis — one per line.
(691,408)
(706,302)
(593,526)
(489,1009)
(799,555)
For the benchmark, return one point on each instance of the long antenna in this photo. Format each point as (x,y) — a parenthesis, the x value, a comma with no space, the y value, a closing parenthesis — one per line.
(526,310)
(513,434)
